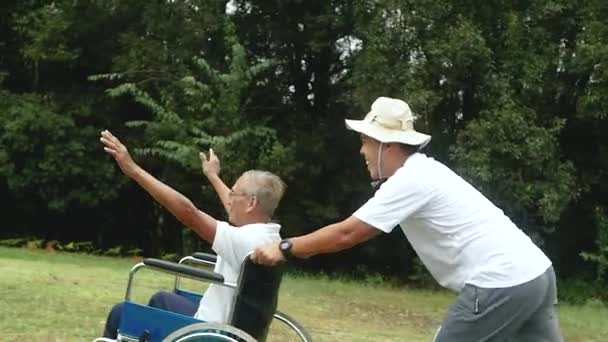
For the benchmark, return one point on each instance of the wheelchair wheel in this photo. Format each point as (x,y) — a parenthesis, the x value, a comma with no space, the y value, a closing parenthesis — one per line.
(284,328)
(209,332)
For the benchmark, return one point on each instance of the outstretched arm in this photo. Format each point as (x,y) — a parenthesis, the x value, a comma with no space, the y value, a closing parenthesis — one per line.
(179,205)
(329,239)
(211,169)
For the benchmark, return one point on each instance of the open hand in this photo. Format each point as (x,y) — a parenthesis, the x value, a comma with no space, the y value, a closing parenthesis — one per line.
(269,254)
(120,153)
(211,166)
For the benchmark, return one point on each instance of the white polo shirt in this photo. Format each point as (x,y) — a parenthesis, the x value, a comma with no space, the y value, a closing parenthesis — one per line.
(232,245)
(459,235)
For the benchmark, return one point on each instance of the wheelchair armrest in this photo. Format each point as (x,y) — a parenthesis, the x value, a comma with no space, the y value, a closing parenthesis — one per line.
(205,256)
(184,270)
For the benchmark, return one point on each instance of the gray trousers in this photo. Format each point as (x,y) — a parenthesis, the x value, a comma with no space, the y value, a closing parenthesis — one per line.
(520,313)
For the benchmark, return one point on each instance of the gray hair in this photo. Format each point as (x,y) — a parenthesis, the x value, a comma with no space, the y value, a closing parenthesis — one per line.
(267,188)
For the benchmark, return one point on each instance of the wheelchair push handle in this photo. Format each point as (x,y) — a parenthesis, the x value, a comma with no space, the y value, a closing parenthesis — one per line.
(183,270)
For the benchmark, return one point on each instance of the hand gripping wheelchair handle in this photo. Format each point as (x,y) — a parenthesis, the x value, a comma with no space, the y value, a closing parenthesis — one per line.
(184,270)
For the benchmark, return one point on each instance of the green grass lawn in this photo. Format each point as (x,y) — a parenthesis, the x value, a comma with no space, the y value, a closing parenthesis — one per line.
(48,296)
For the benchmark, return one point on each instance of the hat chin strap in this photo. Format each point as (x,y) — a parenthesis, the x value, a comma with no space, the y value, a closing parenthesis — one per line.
(380,160)
(378,181)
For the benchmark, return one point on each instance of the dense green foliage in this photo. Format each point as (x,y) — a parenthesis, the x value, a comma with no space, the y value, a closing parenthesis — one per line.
(514,94)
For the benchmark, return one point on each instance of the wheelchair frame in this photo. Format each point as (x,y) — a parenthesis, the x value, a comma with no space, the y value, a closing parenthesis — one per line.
(189,328)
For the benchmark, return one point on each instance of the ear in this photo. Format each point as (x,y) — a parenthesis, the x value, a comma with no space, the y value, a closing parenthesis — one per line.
(253,203)
(390,146)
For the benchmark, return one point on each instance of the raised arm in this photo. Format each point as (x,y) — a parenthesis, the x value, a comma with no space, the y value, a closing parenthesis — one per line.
(211,169)
(179,205)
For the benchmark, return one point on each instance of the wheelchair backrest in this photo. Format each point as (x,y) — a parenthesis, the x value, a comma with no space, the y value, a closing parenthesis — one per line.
(256,298)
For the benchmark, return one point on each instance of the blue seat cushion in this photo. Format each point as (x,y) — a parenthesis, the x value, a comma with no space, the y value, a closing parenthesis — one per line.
(136,319)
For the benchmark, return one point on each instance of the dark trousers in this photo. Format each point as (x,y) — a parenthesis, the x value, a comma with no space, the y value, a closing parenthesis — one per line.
(162,300)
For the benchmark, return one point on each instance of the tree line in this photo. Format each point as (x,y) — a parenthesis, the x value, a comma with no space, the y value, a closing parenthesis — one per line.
(513,93)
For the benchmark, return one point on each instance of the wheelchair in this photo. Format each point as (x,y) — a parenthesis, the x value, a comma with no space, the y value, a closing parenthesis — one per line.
(253,313)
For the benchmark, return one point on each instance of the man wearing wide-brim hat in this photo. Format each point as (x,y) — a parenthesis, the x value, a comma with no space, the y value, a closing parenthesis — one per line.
(505,283)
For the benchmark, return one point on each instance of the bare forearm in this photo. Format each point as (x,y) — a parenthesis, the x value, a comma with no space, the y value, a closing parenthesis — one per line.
(333,238)
(176,203)
(325,240)
(220,188)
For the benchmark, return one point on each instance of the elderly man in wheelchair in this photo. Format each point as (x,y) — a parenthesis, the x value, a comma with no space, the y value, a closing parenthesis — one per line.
(234,283)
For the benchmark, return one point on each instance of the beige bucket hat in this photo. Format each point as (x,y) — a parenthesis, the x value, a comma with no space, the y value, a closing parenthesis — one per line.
(390,120)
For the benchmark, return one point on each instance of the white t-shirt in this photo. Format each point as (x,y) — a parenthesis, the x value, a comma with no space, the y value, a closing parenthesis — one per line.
(232,245)
(459,235)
